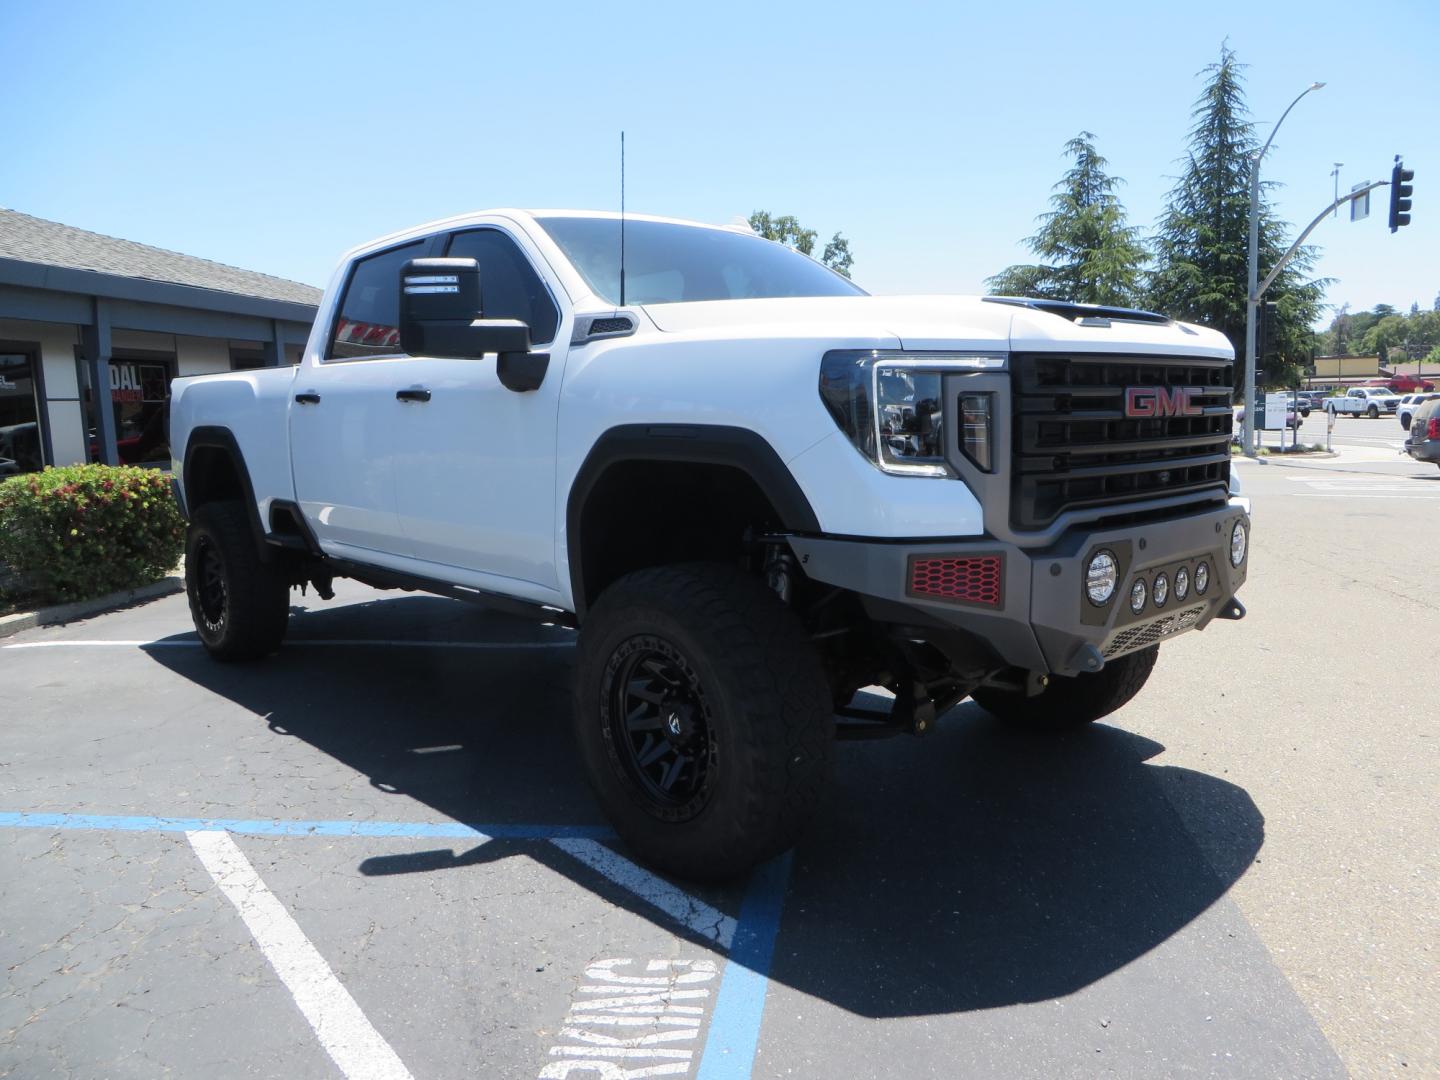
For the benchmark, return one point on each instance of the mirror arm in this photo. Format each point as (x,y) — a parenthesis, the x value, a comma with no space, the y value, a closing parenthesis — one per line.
(521,371)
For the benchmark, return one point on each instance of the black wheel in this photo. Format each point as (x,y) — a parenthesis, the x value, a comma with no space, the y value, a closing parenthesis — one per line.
(1372,412)
(1405,419)
(239,603)
(703,718)
(1073,701)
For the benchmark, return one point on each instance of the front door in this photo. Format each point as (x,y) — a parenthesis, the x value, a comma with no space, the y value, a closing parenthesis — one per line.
(475,463)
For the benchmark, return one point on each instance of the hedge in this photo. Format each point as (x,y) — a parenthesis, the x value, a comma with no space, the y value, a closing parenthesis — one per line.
(86,530)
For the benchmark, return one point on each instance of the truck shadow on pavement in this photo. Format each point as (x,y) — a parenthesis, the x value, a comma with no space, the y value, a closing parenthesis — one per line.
(975,868)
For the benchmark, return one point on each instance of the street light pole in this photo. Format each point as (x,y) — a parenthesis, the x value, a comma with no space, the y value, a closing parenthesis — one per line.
(1253,274)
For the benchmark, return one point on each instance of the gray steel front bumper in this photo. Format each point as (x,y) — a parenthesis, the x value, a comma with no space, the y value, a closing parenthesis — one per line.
(1045,622)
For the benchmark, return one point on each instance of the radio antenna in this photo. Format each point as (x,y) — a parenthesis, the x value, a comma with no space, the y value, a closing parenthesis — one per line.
(622,219)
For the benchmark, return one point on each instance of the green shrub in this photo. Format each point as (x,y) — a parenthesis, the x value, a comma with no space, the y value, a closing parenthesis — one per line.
(87,530)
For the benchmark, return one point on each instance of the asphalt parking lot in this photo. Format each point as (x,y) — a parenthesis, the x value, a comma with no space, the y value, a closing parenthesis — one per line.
(373,855)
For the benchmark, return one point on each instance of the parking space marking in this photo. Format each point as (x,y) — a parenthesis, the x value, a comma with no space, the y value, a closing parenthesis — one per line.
(740,1004)
(195,643)
(278,827)
(654,890)
(730,1044)
(343,1030)
(621,999)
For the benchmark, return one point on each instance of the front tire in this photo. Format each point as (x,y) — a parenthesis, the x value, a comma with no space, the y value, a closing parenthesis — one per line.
(703,718)
(239,603)
(1073,701)
(1373,413)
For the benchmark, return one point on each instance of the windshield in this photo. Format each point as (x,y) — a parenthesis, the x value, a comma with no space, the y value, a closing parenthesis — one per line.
(666,263)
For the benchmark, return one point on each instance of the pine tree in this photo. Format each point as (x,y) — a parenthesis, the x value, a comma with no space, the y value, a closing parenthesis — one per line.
(1203,235)
(1090,255)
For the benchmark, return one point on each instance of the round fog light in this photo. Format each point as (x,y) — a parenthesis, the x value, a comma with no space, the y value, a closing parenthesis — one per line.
(1202,578)
(1100,578)
(1182,583)
(1237,544)
(1137,596)
(1162,590)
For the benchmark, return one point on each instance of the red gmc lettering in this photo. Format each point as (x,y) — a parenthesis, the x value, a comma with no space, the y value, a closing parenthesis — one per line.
(1145,402)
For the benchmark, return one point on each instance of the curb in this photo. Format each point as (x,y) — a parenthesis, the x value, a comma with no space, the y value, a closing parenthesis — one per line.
(83,609)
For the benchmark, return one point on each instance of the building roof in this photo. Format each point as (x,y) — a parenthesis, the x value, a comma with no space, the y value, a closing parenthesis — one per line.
(49,243)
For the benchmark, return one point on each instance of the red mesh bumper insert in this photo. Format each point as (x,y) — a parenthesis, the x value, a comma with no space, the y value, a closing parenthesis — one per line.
(966,579)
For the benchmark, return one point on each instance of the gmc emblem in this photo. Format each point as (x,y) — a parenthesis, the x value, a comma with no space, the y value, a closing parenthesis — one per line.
(1149,402)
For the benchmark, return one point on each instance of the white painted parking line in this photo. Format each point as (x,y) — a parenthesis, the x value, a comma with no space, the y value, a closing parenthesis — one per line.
(1367,487)
(695,915)
(347,1036)
(188,643)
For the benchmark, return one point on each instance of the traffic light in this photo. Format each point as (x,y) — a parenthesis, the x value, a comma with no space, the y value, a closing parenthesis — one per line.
(1400,191)
(1267,332)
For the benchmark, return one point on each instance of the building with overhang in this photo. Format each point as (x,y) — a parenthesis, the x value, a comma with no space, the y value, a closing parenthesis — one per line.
(79,310)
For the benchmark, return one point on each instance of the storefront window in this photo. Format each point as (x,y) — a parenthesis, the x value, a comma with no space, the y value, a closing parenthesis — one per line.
(20,445)
(140,398)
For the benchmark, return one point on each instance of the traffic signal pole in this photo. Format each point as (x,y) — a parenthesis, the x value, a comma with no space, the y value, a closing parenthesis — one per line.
(1253,271)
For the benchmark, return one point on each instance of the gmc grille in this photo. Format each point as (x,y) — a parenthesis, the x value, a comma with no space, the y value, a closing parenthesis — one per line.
(1073,448)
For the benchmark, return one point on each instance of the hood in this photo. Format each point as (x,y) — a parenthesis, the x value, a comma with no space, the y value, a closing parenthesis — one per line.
(931,323)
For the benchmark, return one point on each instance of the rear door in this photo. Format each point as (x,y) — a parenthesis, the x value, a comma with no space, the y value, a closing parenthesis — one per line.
(343,417)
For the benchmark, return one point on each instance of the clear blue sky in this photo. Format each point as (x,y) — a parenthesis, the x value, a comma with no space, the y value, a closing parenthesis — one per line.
(275,135)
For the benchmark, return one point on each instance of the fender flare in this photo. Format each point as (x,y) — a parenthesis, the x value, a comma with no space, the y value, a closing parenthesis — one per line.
(213,437)
(699,444)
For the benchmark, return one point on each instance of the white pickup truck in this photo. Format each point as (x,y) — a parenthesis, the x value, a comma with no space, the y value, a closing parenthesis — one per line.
(1371,401)
(754,489)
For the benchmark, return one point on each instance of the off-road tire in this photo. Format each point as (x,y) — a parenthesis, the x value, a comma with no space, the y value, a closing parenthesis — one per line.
(1405,421)
(245,619)
(1073,701)
(768,727)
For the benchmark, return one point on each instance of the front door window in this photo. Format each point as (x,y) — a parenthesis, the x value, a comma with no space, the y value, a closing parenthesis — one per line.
(20,444)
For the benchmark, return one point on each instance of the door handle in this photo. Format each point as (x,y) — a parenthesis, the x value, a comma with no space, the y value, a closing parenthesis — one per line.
(308,398)
(418,394)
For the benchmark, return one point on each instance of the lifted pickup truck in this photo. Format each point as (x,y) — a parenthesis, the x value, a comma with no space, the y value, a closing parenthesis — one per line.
(753,488)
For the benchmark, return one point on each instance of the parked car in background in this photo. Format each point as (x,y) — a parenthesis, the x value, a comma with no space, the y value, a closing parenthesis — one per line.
(1408,404)
(1311,400)
(1409,384)
(1371,401)
(1424,441)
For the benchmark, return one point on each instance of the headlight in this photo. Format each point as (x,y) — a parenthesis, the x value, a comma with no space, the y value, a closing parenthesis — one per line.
(1137,596)
(1237,544)
(1202,578)
(892,406)
(1162,590)
(1182,583)
(1100,578)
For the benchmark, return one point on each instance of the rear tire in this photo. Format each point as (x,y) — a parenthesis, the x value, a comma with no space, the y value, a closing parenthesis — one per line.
(703,718)
(1405,421)
(239,603)
(1073,701)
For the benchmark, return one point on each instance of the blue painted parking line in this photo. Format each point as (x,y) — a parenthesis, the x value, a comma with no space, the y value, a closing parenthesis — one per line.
(277,827)
(740,1005)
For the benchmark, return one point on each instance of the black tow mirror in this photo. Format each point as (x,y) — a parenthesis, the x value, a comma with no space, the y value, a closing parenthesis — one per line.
(442,314)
